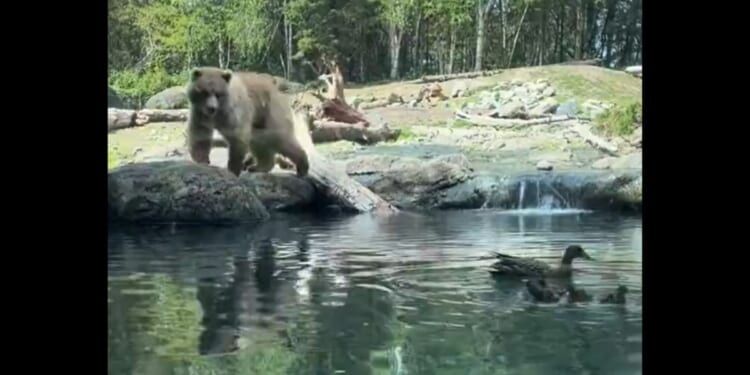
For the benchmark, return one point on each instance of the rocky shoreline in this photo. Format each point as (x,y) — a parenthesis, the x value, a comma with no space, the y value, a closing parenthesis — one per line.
(179,190)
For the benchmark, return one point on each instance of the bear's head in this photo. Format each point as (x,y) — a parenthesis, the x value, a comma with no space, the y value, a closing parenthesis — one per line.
(208,90)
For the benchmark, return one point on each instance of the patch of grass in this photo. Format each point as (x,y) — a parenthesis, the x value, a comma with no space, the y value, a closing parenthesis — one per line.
(116,158)
(407,134)
(459,123)
(582,83)
(620,120)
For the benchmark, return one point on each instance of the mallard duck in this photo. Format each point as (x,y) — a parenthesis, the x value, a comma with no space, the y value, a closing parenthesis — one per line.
(541,292)
(618,297)
(577,295)
(509,265)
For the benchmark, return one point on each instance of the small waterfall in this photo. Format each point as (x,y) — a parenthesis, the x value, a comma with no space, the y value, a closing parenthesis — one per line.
(549,200)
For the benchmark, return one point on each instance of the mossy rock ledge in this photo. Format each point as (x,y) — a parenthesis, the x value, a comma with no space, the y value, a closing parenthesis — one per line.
(180,191)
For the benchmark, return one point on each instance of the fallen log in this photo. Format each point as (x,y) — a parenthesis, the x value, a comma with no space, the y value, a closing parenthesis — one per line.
(120,118)
(338,110)
(584,132)
(509,123)
(593,62)
(391,99)
(146,116)
(128,118)
(334,181)
(331,131)
(448,77)
(636,70)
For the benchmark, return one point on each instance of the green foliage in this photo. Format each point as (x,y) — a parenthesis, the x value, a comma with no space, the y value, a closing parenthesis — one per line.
(620,120)
(114,158)
(407,134)
(252,34)
(137,87)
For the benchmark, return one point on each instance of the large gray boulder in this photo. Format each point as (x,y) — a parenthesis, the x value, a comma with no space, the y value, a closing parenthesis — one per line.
(413,183)
(281,191)
(180,191)
(171,98)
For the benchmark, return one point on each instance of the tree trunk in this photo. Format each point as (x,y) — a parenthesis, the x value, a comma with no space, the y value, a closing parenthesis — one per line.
(518,31)
(331,131)
(561,33)
(607,34)
(126,118)
(543,28)
(417,44)
(504,26)
(581,32)
(630,33)
(480,36)
(395,47)
(289,45)
(222,63)
(452,53)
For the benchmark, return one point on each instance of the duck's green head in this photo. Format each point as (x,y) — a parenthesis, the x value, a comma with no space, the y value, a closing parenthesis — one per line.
(622,290)
(573,252)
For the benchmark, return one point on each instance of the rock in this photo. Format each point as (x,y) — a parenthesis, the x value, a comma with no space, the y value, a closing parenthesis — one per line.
(280,191)
(460,88)
(552,157)
(487,101)
(171,98)
(604,163)
(289,87)
(457,159)
(414,102)
(604,191)
(512,109)
(548,92)
(180,191)
(502,86)
(544,165)
(631,192)
(505,96)
(568,108)
(369,164)
(355,102)
(631,161)
(538,87)
(394,98)
(594,108)
(636,139)
(417,185)
(521,91)
(546,106)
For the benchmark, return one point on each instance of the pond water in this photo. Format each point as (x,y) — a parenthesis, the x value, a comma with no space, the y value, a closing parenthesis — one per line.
(407,294)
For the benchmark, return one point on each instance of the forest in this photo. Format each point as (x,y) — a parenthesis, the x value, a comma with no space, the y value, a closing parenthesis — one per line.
(152,43)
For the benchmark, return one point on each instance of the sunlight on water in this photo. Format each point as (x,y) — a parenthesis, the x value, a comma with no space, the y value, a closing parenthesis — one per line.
(408,294)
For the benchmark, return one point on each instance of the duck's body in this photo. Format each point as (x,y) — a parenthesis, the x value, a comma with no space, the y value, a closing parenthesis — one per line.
(618,297)
(508,265)
(577,295)
(539,290)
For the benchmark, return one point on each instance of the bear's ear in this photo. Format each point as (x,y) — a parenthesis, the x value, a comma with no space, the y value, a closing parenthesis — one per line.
(196,73)
(226,74)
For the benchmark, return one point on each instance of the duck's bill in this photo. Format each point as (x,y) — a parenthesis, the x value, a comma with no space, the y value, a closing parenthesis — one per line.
(587,256)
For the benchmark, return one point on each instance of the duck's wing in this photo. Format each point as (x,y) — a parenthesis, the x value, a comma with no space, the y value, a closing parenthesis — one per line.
(508,264)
